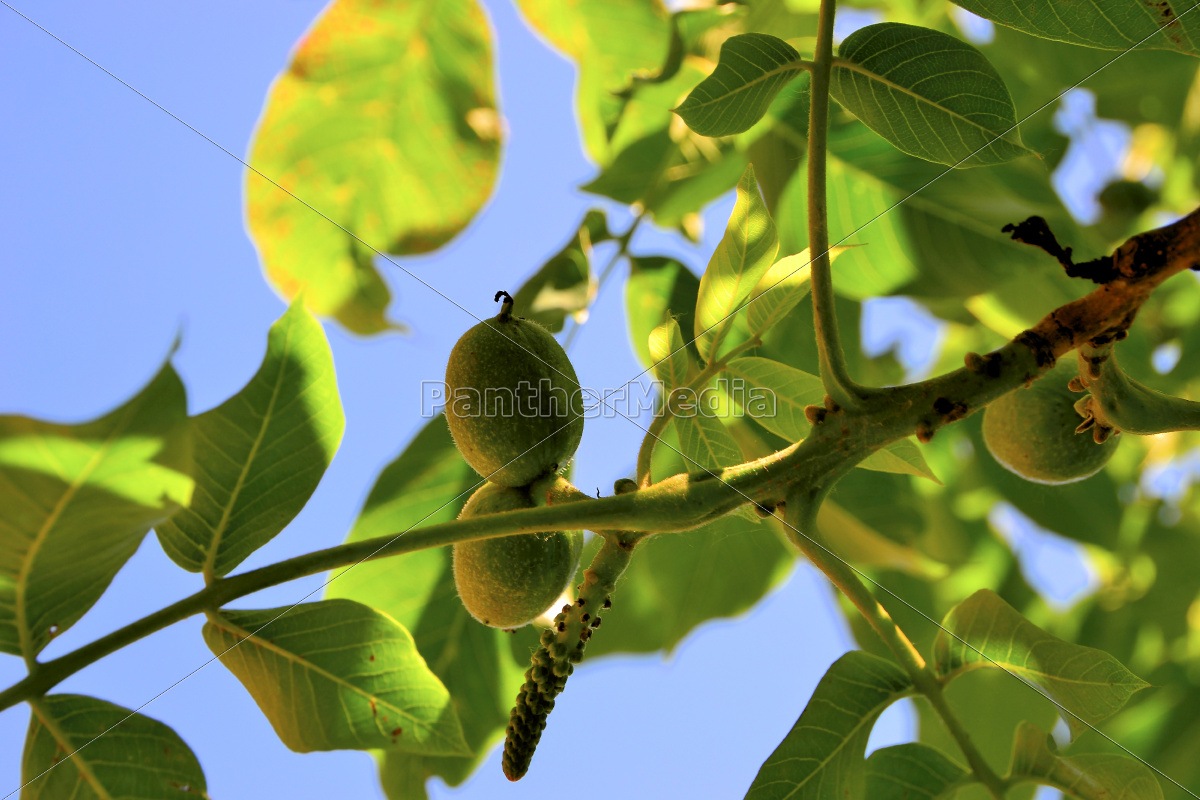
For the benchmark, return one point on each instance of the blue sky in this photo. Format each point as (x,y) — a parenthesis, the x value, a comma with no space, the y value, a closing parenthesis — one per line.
(123,229)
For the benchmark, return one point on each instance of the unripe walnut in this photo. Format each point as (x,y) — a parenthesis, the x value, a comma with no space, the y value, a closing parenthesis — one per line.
(508,581)
(513,401)
(1031,432)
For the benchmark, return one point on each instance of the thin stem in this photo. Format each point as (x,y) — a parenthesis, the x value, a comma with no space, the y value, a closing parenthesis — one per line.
(660,422)
(834,373)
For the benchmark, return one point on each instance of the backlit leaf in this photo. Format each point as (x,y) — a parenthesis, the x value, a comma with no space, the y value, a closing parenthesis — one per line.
(1104,24)
(658,286)
(76,502)
(751,70)
(610,41)
(335,675)
(743,256)
(929,94)
(261,453)
(985,631)
(670,355)
(563,286)
(902,457)
(386,124)
(1088,776)
(822,756)
(127,755)
(910,771)
(775,395)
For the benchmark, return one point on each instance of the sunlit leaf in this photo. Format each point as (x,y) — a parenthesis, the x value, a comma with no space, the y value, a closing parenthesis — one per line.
(902,457)
(858,542)
(670,355)
(775,395)
(610,41)
(751,70)
(77,500)
(705,443)
(428,483)
(260,454)
(1088,776)
(929,94)
(1104,24)
(743,256)
(337,674)
(563,286)
(89,749)
(985,631)
(385,123)
(913,770)
(780,290)
(822,756)
(658,286)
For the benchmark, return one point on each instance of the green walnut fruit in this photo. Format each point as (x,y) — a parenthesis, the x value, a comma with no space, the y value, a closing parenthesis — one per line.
(508,581)
(513,401)
(1031,432)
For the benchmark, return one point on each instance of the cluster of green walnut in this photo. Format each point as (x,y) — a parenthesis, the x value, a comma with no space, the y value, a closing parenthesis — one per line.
(515,411)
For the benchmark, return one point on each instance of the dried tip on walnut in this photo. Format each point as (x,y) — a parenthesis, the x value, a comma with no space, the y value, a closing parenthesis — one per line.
(1102,433)
(1076,385)
(1086,425)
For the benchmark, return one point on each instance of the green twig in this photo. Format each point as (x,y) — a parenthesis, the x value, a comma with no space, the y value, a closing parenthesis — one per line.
(834,372)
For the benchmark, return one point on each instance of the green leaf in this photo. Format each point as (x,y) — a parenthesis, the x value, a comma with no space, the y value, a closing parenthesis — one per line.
(705,443)
(385,123)
(822,756)
(670,355)
(76,502)
(1103,24)
(860,543)
(127,755)
(679,581)
(564,285)
(909,771)
(428,483)
(261,453)
(985,631)
(780,290)
(610,41)
(751,69)
(1090,776)
(658,288)
(902,457)
(929,94)
(742,257)
(336,675)
(776,395)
